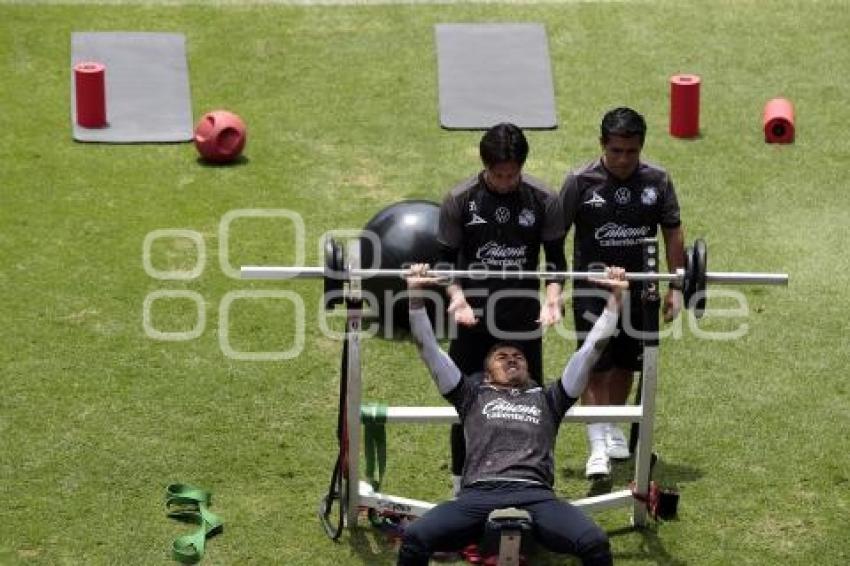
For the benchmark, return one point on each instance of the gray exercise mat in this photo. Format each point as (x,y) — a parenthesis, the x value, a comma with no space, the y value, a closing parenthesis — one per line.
(147,86)
(491,73)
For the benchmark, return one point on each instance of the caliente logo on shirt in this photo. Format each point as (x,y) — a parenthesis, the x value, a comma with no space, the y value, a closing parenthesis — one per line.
(504,409)
(613,234)
(494,254)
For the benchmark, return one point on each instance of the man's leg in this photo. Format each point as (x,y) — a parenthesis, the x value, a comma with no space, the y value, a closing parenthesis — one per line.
(596,393)
(627,358)
(609,387)
(561,527)
(448,526)
(588,305)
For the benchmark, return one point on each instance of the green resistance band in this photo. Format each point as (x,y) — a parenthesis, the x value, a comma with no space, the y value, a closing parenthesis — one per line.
(374,417)
(191,505)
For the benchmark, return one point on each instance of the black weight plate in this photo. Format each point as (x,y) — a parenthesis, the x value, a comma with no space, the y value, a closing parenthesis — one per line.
(334,264)
(688,282)
(700,260)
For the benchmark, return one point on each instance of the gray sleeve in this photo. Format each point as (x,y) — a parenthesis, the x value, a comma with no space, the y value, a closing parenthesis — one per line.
(443,370)
(574,378)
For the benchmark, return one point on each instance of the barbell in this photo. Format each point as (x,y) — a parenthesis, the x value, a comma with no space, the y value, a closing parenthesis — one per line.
(693,278)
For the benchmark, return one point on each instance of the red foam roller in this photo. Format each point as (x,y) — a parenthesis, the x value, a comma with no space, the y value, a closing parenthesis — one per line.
(90,87)
(778,121)
(684,106)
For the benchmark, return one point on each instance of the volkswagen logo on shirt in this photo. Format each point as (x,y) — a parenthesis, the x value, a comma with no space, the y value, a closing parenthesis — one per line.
(649,196)
(502,215)
(623,195)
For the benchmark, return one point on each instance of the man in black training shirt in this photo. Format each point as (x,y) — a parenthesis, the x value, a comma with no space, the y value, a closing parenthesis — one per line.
(511,423)
(497,220)
(614,202)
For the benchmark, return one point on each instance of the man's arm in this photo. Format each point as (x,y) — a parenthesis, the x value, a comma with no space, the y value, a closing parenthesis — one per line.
(450,238)
(550,310)
(458,305)
(568,201)
(576,373)
(443,370)
(674,246)
(552,236)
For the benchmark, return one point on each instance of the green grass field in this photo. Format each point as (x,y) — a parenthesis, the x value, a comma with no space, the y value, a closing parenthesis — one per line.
(96,418)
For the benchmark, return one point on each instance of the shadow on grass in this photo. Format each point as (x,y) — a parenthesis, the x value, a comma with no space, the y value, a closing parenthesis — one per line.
(667,474)
(652,549)
(238,162)
(375,547)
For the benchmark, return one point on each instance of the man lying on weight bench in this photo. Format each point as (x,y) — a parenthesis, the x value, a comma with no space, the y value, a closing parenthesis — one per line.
(510,427)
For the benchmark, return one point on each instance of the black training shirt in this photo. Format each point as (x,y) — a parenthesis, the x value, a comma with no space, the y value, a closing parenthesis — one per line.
(612,216)
(510,433)
(502,232)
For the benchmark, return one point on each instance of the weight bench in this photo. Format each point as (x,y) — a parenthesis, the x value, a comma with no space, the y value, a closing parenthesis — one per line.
(508,524)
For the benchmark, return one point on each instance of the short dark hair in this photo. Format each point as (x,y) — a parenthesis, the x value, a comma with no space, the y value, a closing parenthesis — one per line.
(502,143)
(623,122)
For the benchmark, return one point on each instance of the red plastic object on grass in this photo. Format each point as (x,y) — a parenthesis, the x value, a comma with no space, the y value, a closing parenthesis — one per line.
(684,106)
(778,121)
(90,94)
(220,136)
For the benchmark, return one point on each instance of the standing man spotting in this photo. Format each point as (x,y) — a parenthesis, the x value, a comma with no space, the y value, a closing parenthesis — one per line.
(614,202)
(497,220)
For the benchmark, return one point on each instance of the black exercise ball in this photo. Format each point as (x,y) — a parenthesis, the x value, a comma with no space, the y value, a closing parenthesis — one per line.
(407,234)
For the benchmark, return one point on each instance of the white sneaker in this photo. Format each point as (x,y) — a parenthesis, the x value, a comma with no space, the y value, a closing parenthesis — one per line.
(616,445)
(598,465)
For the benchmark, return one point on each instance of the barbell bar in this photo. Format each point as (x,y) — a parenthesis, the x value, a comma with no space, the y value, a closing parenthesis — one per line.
(692,279)
(295,272)
(307,272)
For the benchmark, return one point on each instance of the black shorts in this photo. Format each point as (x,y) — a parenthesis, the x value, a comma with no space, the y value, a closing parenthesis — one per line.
(625,349)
